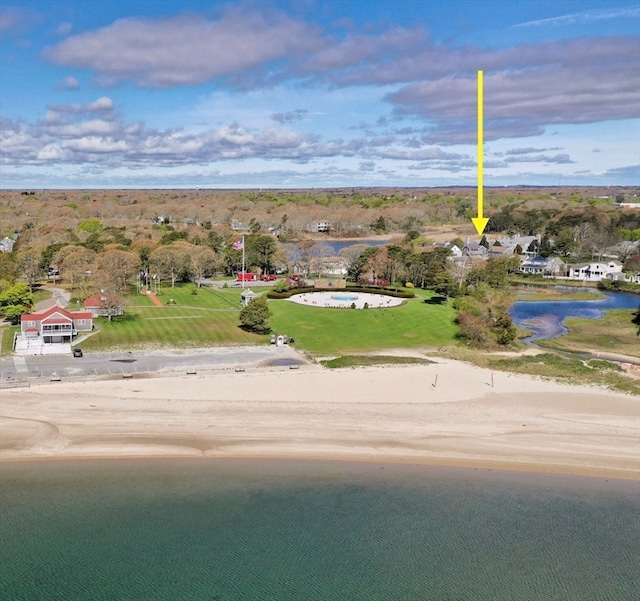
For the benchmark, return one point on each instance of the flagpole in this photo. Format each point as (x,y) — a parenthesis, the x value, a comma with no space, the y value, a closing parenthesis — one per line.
(243,271)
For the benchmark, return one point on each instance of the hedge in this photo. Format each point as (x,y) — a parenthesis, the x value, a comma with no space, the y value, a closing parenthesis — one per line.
(396,292)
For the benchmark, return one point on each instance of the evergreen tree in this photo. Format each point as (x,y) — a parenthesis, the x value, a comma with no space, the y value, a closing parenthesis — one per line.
(255,316)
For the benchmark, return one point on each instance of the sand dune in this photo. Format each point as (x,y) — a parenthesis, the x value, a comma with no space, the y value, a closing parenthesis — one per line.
(446,413)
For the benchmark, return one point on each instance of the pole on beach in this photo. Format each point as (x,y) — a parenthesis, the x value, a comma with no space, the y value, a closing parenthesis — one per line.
(435,382)
(492,386)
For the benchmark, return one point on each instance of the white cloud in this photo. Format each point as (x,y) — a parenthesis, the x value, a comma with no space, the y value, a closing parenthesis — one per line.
(185,50)
(591,16)
(69,83)
(64,28)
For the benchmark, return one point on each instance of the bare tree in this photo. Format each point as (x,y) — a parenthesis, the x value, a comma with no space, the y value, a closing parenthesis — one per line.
(202,261)
(459,270)
(76,264)
(308,253)
(30,267)
(115,268)
(170,261)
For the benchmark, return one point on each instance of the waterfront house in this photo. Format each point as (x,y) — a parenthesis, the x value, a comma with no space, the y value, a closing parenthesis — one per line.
(316,227)
(594,272)
(55,325)
(543,266)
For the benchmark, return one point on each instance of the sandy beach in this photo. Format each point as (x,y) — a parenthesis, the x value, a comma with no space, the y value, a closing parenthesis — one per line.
(448,413)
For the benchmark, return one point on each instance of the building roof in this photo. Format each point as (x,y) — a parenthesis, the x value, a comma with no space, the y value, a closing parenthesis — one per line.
(69,315)
(99,300)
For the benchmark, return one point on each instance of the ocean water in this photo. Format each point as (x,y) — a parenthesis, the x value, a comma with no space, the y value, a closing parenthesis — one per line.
(217,530)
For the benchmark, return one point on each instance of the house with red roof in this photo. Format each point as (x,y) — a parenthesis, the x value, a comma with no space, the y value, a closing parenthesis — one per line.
(103,304)
(56,325)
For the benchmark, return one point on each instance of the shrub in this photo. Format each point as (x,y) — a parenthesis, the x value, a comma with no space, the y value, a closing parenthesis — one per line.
(395,292)
(281,286)
(255,316)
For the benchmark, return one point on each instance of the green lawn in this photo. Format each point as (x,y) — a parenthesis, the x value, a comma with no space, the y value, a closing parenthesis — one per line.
(6,339)
(188,295)
(208,318)
(323,331)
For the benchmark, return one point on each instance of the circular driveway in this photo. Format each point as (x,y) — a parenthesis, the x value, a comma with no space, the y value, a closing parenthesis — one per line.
(345,300)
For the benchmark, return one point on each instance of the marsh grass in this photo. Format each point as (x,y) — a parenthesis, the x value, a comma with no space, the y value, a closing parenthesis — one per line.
(569,370)
(612,333)
(535,293)
(369,360)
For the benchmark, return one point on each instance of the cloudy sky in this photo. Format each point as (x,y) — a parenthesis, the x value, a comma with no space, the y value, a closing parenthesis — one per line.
(317,93)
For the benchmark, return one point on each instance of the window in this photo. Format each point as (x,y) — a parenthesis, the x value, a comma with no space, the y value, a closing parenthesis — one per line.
(81,322)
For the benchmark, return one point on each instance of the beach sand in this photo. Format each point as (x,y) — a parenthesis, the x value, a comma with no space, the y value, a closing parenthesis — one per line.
(448,413)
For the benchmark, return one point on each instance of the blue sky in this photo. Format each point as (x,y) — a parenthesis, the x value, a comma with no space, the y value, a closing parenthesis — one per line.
(317,93)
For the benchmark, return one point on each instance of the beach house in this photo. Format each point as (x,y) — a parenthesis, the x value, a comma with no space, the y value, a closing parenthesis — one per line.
(594,272)
(55,325)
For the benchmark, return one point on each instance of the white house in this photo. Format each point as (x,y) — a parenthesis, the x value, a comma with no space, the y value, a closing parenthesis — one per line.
(318,226)
(456,252)
(594,272)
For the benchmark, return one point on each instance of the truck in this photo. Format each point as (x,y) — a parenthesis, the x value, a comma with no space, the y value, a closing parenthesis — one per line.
(243,276)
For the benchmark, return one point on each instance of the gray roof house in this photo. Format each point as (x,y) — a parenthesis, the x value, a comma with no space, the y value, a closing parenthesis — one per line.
(542,266)
(6,244)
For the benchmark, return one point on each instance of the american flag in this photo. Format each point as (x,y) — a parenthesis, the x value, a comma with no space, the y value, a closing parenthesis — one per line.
(238,245)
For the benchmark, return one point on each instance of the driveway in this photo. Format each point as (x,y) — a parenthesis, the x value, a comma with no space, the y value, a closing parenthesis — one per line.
(59,296)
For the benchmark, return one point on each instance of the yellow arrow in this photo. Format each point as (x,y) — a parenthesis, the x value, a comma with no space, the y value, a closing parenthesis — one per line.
(480,222)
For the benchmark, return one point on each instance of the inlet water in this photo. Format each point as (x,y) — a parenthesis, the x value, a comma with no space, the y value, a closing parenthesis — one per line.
(545,318)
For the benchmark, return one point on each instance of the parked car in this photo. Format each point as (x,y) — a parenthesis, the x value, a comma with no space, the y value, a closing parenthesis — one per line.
(246,277)
(77,352)
(268,277)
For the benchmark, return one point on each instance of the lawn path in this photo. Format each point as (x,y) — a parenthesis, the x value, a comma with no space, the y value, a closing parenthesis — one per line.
(155,300)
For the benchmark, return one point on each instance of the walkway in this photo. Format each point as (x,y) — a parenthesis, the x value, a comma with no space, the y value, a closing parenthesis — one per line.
(154,299)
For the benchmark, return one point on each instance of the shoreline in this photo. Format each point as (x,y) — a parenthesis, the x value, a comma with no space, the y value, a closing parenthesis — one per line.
(552,470)
(375,415)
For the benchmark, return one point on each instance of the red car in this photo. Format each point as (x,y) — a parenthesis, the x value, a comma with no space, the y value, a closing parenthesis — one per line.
(268,277)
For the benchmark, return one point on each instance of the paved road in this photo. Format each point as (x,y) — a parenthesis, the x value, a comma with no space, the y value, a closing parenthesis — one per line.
(59,296)
(42,367)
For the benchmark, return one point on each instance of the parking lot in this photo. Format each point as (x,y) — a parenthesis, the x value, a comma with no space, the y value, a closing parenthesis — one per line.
(44,368)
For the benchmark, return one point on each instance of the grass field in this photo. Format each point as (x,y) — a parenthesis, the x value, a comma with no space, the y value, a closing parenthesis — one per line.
(210,317)
(207,318)
(324,331)
(612,333)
